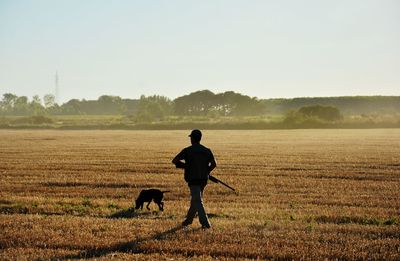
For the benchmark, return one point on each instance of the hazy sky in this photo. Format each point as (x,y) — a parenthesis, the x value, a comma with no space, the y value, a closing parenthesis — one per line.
(285,48)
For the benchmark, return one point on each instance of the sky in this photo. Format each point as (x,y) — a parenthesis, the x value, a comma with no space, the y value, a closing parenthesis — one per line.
(267,49)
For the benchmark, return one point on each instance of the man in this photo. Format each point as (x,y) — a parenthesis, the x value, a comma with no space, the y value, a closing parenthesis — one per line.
(198,163)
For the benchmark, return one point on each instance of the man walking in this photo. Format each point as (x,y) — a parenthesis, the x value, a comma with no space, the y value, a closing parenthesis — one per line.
(198,163)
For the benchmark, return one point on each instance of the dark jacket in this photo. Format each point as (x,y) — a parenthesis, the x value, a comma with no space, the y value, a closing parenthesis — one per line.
(197,163)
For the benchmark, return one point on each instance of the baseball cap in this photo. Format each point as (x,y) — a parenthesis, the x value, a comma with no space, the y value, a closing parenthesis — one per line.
(195,133)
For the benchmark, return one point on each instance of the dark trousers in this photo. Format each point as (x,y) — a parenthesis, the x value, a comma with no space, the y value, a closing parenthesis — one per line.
(196,206)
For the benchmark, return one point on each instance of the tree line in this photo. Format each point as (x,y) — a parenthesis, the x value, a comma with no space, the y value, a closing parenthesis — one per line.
(199,103)
(348,105)
(11,104)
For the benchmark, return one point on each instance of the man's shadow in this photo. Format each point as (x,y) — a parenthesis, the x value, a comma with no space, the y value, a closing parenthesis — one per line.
(127,247)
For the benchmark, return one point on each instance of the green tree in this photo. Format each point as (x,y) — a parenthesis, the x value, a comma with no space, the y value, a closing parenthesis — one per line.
(312,116)
(71,107)
(110,105)
(196,103)
(21,106)
(153,108)
(207,103)
(326,113)
(36,106)
(8,102)
(236,104)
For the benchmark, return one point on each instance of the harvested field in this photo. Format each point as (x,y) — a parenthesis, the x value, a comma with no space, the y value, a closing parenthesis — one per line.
(302,194)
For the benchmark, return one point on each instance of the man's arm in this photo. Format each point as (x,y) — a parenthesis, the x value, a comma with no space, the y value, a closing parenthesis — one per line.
(177,161)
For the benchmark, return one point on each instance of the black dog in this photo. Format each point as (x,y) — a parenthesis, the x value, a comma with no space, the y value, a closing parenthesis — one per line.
(147,195)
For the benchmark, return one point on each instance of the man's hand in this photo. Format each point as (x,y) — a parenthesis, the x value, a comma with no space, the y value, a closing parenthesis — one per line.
(212,165)
(180,165)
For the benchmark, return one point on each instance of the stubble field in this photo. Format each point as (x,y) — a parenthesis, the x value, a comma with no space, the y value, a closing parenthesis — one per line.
(302,194)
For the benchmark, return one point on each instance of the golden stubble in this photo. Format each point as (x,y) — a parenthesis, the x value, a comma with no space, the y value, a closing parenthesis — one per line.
(302,194)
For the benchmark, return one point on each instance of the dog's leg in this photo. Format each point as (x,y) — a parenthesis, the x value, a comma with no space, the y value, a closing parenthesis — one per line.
(161,206)
(148,205)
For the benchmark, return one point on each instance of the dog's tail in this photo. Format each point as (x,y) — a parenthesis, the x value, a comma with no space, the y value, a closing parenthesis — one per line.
(165,191)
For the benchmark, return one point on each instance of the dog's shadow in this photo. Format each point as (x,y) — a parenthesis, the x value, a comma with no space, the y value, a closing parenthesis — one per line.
(131,213)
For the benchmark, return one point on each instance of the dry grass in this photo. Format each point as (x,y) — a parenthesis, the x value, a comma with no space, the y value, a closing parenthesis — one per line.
(312,194)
